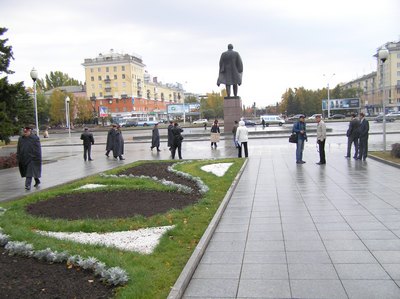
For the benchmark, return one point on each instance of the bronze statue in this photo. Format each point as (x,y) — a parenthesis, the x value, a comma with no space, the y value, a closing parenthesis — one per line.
(230,70)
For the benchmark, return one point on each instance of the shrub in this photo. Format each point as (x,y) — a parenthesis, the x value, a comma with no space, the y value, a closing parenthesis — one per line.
(8,161)
(395,150)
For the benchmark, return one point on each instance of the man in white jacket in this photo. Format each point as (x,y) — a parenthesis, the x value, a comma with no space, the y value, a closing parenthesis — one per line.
(321,137)
(241,138)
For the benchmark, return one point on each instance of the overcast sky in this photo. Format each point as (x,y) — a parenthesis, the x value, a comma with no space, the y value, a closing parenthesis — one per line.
(283,43)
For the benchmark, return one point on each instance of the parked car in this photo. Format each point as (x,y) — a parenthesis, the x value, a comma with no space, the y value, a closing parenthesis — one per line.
(294,118)
(314,116)
(379,118)
(200,121)
(272,120)
(249,122)
(130,124)
(337,116)
(395,115)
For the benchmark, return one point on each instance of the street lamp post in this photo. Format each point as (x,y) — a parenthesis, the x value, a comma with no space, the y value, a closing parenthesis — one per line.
(34,76)
(67,117)
(329,109)
(383,55)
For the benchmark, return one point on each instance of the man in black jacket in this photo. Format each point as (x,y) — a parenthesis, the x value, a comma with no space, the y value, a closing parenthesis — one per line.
(352,136)
(364,133)
(29,156)
(88,140)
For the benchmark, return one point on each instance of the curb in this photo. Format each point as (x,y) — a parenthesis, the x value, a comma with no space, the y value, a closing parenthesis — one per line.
(384,161)
(186,275)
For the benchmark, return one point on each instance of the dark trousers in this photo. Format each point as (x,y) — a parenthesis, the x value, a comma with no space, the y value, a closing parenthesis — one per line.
(244,145)
(87,152)
(173,150)
(321,149)
(363,148)
(350,141)
(28,181)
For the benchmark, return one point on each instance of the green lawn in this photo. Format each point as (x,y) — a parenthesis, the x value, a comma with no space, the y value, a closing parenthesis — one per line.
(151,276)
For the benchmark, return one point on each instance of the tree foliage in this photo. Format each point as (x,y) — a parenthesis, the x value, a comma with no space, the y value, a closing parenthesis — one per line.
(56,79)
(16,106)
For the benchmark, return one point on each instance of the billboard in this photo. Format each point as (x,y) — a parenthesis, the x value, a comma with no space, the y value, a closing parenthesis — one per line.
(190,109)
(341,104)
(103,111)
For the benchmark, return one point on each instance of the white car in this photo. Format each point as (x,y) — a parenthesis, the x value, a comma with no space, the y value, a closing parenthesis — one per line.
(200,121)
(314,116)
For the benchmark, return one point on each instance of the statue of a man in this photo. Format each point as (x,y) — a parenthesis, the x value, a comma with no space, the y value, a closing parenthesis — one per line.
(230,70)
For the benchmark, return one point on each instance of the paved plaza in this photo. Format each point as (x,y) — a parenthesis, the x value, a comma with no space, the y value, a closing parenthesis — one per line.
(288,231)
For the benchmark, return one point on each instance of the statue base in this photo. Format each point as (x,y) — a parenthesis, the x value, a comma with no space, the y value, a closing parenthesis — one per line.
(232,112)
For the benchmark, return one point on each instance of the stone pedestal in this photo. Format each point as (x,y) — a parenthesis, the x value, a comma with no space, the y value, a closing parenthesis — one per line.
(232,112)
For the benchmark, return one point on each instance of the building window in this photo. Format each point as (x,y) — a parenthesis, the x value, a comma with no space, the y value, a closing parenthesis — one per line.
(123,84)
(99,69)
(115,68)
(100,85)
(99,78)
(91,70)
(123,68)
(108,77)
(93,94)
(101,94)
(107,69)
(92,78)
(115,77)
(92,86)
(123,76)
(115,84)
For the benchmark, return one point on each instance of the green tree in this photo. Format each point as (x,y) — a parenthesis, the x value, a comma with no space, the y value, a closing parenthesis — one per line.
(213,106)
(57,79)
(84,112)
(16,106)
(57,107)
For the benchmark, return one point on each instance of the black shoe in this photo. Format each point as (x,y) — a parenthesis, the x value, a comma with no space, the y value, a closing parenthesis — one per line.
(37,183)
(27,188)
(347,157)
(107,155)
(121,158)
(90,159)
(320,163)
(158,150)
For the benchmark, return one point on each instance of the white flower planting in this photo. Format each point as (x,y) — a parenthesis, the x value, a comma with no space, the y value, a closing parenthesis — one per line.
(218,169)
(2,211)
(143,240)
(203,188)
(91,186)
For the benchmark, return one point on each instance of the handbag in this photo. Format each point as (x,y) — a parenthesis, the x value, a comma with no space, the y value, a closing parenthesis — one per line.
(293,138)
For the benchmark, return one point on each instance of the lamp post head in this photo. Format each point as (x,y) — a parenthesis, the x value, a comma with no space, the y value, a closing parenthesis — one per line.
(383,54)
(34,74)
(67,99)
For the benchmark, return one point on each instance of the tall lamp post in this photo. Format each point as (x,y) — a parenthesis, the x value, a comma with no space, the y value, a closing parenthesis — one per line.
(67,119)
(383,55)
(329,109)
(34,76)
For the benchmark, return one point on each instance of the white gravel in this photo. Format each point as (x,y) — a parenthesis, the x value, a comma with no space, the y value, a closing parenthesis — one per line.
(91,186)
(142,240)
(218,169)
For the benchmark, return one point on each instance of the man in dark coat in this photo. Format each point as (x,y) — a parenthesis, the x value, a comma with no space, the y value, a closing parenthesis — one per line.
(364,133)
(110,139)
(155,138)
(177,141)
(170,135)
(88,140)
(29,155)
(118,147)
(352,136)
(230,70)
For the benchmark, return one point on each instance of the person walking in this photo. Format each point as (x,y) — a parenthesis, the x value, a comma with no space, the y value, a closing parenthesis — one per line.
(241,137)
(118,146)
(29,156)
(88,140)
(177,141)
(111,139)
(215,134)
(363,142)
(155,138)
(321,137)
(300,129)
(170,135)
(352,136)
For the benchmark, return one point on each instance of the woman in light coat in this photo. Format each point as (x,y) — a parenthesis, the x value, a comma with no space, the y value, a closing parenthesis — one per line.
(242,136)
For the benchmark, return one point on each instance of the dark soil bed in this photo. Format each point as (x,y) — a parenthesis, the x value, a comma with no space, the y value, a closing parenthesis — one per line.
(28,278)
(22,277)
(121,203)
